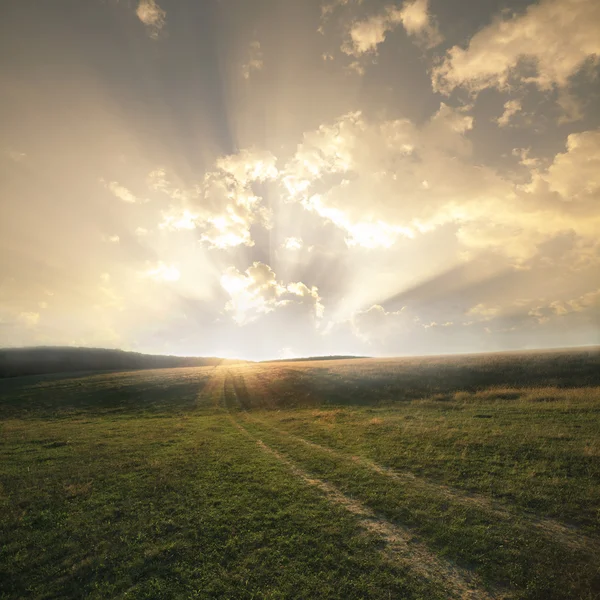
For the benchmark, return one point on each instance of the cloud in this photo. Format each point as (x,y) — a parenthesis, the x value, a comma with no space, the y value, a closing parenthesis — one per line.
(162,272)
(366,35)
(511,108)
(152,16)
(175,220)
(380,181)
(229,204)
(483,312)
(586,303)
(554,38)
(376,324)
(589,300)
(157,180)
(341,165)
(257,291)
(574,174)
(223,206)
(255,60)
(249,165)
(292,243)
(120,191)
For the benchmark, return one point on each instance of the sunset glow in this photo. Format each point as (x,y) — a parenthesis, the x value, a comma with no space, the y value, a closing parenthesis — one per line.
(336,177)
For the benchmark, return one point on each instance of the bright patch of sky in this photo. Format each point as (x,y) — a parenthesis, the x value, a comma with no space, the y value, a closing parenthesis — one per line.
(328,177)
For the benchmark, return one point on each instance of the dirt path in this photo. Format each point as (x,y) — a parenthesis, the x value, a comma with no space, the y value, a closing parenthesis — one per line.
(557,531)
(400,545)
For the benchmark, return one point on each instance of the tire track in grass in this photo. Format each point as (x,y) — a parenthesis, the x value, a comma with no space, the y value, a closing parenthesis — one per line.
(401,546)
(556,531)
(568,536)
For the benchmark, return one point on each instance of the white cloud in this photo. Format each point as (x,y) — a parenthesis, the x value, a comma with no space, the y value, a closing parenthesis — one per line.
(301,290)
(230,206)
(366,35)
(249,165)
(152,16)
(257,291)
(368,165)
(177,219)
(525,158)
(382,180)
(376,324)
(224,205)
(575,174)
(417,22)
(356,67)
(434,324)
(157,179)
(255,60)
(293,243)
(590,301)
(511,108)
(162,272)
(584,302)
(555,37)
(368,234)
(120,191)
(483,312)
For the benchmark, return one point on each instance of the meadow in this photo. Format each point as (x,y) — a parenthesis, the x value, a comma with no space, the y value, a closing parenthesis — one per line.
(444,477)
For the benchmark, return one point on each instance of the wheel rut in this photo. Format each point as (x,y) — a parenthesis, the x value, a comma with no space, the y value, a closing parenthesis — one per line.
(553,529)
(400,545)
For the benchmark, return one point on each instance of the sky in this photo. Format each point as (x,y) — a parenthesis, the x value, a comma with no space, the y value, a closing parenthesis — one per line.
(273,178)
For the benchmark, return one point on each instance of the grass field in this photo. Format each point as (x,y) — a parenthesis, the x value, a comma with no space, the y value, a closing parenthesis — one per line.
(472,477)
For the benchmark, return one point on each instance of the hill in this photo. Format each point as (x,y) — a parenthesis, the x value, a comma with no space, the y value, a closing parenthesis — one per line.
(16,362)
(428,477)
(314,358)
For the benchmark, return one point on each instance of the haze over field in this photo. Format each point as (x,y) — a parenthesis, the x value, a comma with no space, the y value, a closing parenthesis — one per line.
(434,477)
(269,179)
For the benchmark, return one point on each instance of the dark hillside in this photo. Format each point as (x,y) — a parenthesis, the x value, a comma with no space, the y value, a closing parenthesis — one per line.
(15,362)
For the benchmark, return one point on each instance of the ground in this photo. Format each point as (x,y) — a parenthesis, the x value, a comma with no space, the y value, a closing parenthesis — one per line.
(328,479)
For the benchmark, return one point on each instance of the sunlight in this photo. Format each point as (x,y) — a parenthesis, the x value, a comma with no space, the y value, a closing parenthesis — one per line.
(356,151)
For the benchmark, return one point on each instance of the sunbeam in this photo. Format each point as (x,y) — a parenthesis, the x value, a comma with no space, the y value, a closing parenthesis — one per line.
(266,178)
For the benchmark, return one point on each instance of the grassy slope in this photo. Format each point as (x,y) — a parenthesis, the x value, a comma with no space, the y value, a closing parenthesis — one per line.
(141,485)
(112,490)
(19,362)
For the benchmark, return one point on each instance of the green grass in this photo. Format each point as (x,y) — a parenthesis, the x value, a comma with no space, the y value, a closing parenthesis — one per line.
(152,484)
(140,503)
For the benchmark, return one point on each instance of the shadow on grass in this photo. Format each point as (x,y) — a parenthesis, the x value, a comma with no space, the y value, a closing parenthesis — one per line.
(118,394)
(377,381)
